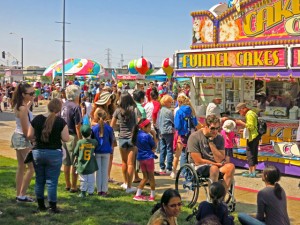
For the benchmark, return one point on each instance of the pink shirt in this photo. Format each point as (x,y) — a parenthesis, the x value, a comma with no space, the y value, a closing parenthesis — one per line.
(228,138)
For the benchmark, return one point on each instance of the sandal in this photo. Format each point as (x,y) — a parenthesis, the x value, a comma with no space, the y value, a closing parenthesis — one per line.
(74,190)
(67,189)
(111,180)
(137,181)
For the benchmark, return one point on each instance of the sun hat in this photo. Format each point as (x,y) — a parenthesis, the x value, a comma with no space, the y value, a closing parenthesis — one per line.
(229,126)
(240,106)
(104,97)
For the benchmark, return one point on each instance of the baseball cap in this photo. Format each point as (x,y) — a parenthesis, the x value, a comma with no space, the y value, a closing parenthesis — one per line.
(240,106)
(85,130)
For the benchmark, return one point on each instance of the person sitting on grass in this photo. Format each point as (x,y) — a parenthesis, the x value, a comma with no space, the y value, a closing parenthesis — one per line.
(167,210)
(271,202)
(146,148)
(85,161)
(217,207)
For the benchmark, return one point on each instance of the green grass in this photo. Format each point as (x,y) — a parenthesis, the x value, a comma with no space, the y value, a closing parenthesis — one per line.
(118,208)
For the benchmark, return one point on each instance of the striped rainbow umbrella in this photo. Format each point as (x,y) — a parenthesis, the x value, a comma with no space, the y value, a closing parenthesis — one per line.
(75,66)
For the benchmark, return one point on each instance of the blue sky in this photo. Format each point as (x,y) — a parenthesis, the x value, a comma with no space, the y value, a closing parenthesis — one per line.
(160,26)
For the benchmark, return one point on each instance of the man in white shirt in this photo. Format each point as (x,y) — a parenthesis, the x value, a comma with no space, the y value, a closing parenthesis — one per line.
(213,107)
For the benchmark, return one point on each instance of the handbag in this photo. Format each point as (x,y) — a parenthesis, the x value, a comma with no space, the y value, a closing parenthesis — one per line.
(28,158)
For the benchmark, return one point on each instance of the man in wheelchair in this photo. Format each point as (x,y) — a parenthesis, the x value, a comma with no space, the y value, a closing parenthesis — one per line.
(207,153)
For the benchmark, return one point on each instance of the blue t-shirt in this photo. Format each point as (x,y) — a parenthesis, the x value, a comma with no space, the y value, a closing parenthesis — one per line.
(105,142)
(144,144)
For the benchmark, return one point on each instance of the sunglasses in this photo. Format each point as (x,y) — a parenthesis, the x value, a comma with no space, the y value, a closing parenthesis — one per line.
(214,128)
(174,205)
(30,93)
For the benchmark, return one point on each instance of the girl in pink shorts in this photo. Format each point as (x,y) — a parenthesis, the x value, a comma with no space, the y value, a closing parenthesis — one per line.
(146,148)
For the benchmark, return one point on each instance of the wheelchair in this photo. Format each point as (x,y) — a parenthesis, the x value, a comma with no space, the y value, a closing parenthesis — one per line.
(188,183)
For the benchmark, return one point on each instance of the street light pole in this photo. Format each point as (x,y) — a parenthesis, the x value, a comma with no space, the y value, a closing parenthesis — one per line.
(22,59)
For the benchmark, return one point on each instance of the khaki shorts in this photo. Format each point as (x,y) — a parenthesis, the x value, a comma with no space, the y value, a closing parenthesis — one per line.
(19,142)
(69,147)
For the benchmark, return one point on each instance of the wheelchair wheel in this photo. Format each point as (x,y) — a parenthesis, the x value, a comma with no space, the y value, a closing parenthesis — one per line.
(229,198)
(187,184)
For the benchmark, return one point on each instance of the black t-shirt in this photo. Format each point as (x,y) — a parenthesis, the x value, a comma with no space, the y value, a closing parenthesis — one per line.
(71,113)
(55,135)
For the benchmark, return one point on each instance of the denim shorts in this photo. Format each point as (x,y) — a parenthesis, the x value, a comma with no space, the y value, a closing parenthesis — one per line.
(19,142)
(125,143)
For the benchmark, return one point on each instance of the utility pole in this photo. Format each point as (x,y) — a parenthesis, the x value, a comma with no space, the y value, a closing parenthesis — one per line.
(63,45)
(122,60)
(108,57)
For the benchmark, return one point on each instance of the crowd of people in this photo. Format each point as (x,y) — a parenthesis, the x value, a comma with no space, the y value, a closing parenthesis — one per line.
(79,132)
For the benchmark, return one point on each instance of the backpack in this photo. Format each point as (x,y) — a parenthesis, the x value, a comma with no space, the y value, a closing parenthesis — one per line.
(188,123)
(261,126)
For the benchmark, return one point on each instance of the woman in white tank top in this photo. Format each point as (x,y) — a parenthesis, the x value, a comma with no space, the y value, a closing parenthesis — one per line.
(22,98)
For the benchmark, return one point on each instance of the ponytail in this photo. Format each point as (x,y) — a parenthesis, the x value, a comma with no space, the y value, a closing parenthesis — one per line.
(156,207)
(277,191)
(134,134)
(271,175)
(101,114)
(54,107)
(142,123)
(101,125)
(48,127)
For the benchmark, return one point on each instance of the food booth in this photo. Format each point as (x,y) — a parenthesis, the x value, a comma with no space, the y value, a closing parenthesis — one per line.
(249,53)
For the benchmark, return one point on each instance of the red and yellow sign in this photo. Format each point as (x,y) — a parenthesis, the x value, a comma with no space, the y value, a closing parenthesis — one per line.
(260,22)
(296,58)
(234,59)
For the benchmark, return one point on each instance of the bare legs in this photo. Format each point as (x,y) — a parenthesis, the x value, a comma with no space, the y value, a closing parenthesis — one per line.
(178,151)
(68,172)
(110,165)
(23,176)
(128,158)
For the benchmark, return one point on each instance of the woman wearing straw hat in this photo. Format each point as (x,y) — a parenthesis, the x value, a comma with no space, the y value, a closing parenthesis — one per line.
(105,102)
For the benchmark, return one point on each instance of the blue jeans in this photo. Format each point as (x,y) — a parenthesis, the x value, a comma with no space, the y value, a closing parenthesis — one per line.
(47,164)
(246,219)
(166,150)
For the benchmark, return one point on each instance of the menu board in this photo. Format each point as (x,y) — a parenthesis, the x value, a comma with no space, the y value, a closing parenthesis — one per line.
(249,90)
(207,92)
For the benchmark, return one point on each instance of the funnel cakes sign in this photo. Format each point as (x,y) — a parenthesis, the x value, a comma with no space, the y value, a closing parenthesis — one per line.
(259,22)
(247,58)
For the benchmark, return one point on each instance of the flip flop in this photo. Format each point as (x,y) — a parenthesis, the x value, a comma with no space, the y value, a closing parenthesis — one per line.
(136,181)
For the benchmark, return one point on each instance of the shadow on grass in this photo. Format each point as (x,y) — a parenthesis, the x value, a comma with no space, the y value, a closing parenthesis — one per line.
(118,208)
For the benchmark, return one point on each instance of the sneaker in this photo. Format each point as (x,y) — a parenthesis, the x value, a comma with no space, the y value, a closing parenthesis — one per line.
(100,193)
(173,175)
(124,186)
(140,198)
(131,190)
(162,171)
(24,199)
(252,175)
(82,194)
(168,172)
(151,199)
